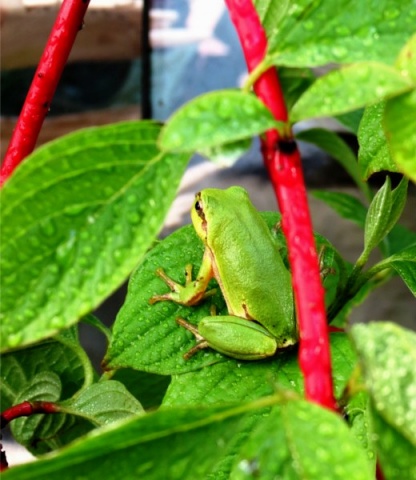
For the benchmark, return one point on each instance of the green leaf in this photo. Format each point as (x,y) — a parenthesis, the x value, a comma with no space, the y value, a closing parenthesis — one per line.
(349,88)
(339,150)
(35,432)
(404,262)
(387,355)
(374,154)
(345,205)
(396,454)
(406,61)
(383,213)
(400,130)
(271,13)
(359,419)
(76,217)
(171,443)
(233,381)
(103,403)
(377,220)
(20,368)
(215,119)
(310,33)
(301,440)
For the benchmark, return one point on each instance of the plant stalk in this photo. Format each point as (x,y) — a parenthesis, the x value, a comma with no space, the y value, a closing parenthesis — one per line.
(282,160)
(39,97)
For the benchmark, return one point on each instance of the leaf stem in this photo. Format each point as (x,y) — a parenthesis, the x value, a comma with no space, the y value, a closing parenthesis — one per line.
(282,160)
(38,100)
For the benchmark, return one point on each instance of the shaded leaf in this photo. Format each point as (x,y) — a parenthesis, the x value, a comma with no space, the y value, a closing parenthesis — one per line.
(294,81)
(351,120)
(18,369)
(102,403)
(404,262)
(148,388)
(77,216)
(339,150)
(41,433)
(345,205)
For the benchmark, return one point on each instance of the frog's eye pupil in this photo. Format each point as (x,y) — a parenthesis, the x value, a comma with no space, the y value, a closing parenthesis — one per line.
(197,206)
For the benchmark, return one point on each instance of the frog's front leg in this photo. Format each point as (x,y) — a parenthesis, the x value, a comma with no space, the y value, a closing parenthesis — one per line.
(194,291)
(232,336)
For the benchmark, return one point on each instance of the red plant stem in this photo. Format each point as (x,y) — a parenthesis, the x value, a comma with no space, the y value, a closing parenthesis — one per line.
(67,24)
(282,160)
(25,409)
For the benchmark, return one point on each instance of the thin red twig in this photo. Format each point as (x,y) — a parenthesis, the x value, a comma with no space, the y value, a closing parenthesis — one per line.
(24,409)
(39,97)
(282,161)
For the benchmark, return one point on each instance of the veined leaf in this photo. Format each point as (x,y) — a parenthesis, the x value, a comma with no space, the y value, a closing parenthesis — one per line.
(76,217)
(348,88)
(309,33)
(215,119)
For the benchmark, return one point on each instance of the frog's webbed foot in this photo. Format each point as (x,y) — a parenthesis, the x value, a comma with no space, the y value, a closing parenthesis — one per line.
(189,294)
(201,342)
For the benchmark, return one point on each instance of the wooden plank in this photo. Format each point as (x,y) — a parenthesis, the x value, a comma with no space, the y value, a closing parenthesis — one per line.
(108,34)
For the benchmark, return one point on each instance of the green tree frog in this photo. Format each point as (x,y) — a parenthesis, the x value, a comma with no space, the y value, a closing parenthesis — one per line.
(242,256)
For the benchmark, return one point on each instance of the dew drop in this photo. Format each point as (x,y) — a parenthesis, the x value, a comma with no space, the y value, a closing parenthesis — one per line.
(391,13)
(308,25)
(339,51)
(14,339)
(57,322)
(74,210)
(64,251)
(343,30)
(29,314)
(9,279)
(134,218)
(132,199)
(48,228)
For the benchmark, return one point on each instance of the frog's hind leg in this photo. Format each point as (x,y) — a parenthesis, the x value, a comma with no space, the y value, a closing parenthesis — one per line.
(201,342)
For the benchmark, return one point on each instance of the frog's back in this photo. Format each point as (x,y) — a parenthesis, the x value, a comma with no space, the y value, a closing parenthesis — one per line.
(258,283)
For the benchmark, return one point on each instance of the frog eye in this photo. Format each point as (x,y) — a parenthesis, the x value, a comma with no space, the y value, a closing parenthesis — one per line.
(198,206)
